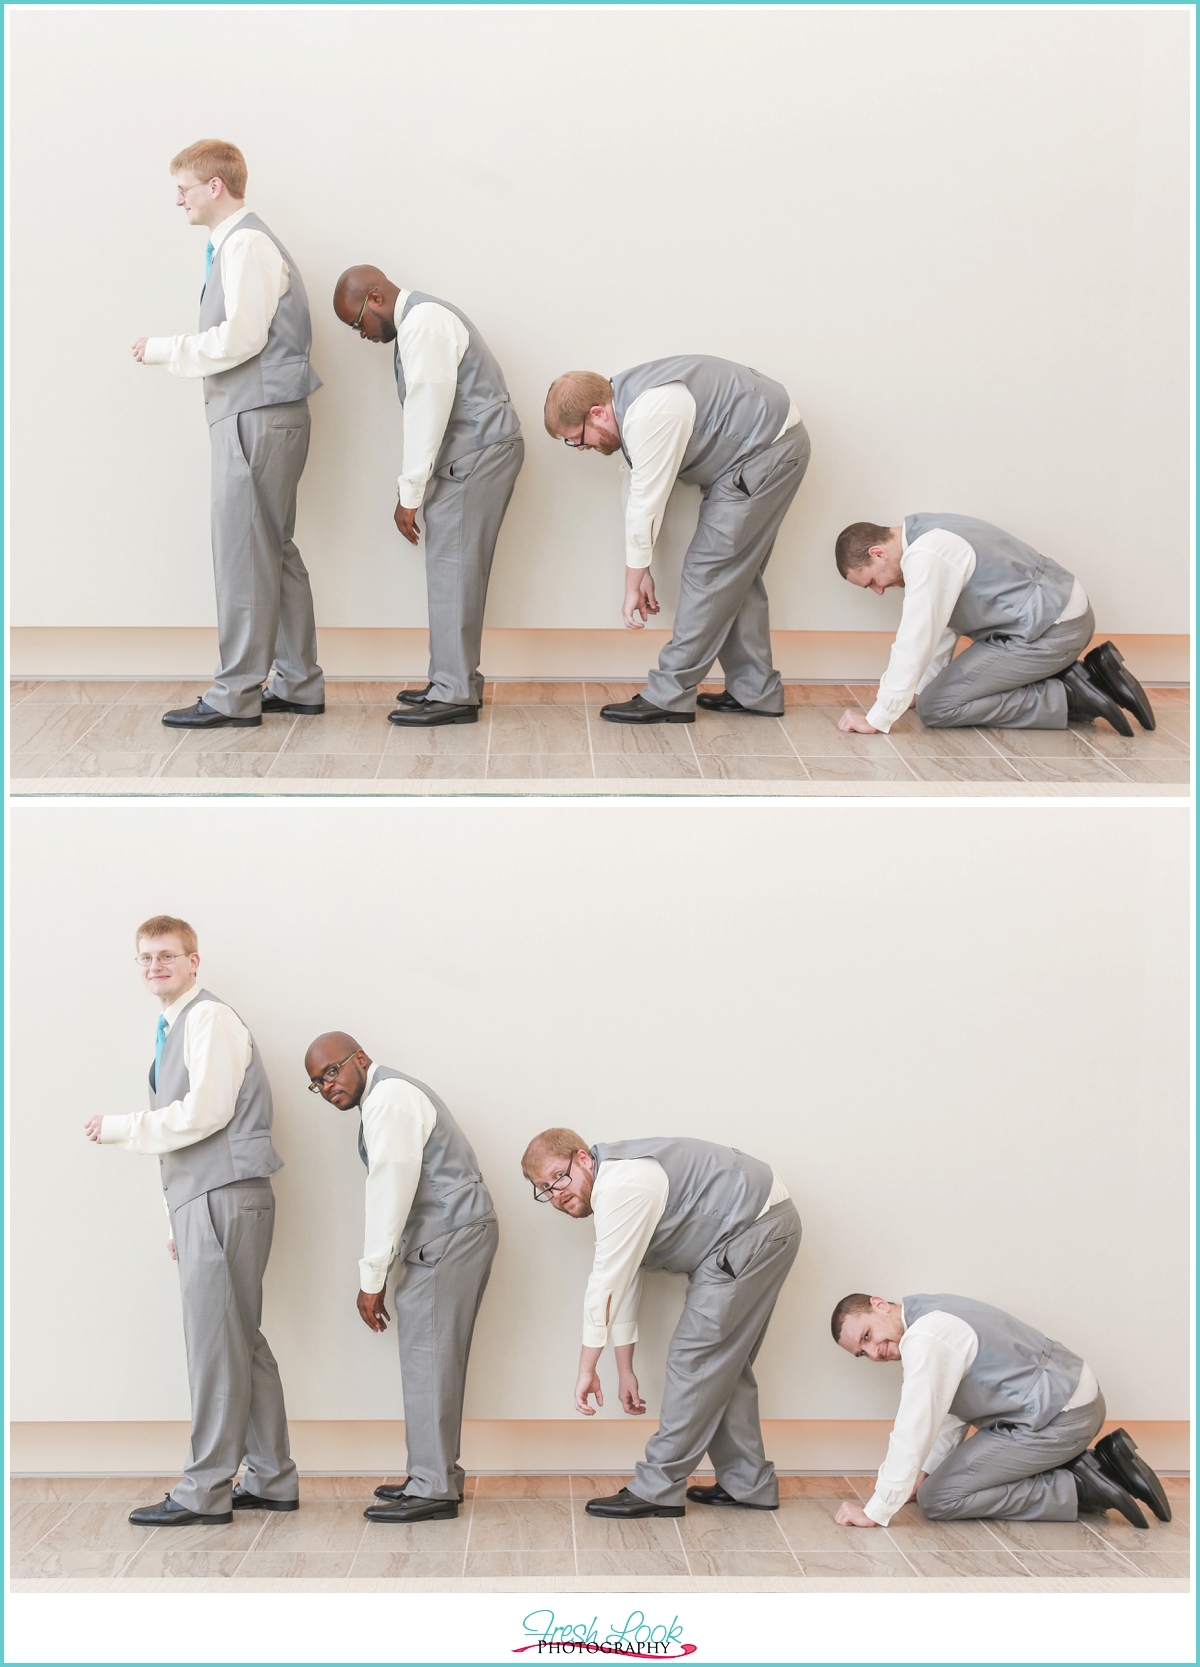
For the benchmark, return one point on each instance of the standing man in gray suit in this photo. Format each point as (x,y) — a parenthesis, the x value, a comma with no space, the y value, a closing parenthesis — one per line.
(426,1204)
(1036,1408)
(252,352)
(738,436)
(1028,618)
(209,1124)
(727,1221)
(463,450)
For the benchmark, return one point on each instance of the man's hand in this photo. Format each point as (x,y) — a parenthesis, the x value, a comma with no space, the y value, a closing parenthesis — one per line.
(640,601)
(627,1393)
(139,349)
(406,521)
(855,723)
(851,1515)
(92,1128)
(922,1476)
(588,1383)
(171,1250)
(370,1306)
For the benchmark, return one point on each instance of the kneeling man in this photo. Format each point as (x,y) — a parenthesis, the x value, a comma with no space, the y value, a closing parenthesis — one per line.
(1036,1408)
(738,436)
(426,1203)
(728,1222)
(1028,618)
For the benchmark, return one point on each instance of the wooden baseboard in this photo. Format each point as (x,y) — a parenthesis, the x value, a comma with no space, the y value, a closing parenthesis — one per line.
(618,656)
(505,1447)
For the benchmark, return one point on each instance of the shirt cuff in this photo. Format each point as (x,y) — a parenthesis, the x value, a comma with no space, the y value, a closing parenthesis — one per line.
(636,556)
(625,1332)
(411,497)
(881,716)
(594,1336)
(370,1279)
(879,1511)
(114,1131)
(157,350)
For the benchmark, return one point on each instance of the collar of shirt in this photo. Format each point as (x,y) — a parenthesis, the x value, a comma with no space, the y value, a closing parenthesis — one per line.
(176,1008)
(401,303)
(369,1087)
(218,234)
(903,536)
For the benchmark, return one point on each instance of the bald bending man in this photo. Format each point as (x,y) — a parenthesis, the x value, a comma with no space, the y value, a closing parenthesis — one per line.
(426,1204)
(462,453)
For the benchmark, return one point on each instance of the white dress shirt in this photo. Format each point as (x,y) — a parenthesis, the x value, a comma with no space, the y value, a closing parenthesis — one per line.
(936,1352)
(936,568)
(656,430)
(397,1120)
(432,341)
(629,1196)
(216,1052)
(254,275)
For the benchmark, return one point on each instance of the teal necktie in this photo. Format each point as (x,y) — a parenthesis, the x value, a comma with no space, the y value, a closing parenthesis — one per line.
(159,1039)
(208,260)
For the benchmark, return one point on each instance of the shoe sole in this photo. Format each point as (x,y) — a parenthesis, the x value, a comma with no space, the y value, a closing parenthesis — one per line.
(424,1516)
(661,1511)
(430,723)
(268,1505)
(192,1522)
(1143,1491)
(226,723)
(738,1504)
(668,718)
(299,711)
(738,711)
(1123,696)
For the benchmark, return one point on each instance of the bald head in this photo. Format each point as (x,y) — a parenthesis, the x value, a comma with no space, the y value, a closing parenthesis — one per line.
(365,298)
(337,1051)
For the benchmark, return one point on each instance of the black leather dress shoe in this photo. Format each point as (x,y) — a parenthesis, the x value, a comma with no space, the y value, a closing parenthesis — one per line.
(397,1492)
(203,717)
(1088,700)
(413,1510)
(1106,667)
(414,697)
(432,712)
(1098,1492)
(245,1501)
(626,1504)
(276,703)
(716,1495)
(1118,1458)
(171,1515)
(639,711)
(725,702)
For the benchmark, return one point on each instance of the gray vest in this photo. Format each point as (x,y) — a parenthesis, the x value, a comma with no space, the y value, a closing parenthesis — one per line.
(482,413)
(1013,589)
(1018,1376)
(241,1151)
(738,410)
(715,1193)
(451,1192)
(281,372)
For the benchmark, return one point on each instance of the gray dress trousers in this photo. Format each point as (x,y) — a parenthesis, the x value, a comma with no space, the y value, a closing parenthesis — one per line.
(464,505)
(437,1296)
(1007,682)
(1013,1471)
(710,1399)
(222,1242)
(722,599)
(265,624)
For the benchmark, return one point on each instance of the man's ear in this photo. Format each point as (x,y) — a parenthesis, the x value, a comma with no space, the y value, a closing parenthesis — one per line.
(880,1304)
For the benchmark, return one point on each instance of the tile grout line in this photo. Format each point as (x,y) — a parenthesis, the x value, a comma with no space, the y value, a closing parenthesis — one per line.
(787,1543)
(74,1507)
(470,1521)
(808,775)
(574,1540)
(1010,1549)
(487,770)
(267,1515)
(587,721)
(687,1562)
(135,1554)
(356,1553)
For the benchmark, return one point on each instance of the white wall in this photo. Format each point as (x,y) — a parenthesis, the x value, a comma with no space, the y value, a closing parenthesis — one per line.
(960,237)
(961,1038)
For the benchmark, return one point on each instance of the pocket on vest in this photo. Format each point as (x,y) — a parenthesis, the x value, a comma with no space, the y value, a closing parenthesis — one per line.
(253,1155)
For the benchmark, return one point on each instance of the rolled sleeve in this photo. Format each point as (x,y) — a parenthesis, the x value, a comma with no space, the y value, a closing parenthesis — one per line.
(216,1054)
(627,1205)
(655,430)
(254,276)
(936,1352)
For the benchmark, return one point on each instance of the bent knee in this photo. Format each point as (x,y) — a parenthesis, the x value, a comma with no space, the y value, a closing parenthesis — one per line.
(935,1501)
(934,711)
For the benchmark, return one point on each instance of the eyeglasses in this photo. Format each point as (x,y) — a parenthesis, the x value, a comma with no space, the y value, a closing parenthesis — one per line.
(543,1194)
(164,960)
(361,311)
(182,190)
(578,445)
(328,1075)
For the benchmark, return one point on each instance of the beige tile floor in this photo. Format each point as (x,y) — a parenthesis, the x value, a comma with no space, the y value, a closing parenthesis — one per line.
(532,1532)
(107,737)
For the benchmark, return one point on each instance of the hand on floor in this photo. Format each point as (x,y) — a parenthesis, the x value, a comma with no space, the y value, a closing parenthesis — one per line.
(851,1515)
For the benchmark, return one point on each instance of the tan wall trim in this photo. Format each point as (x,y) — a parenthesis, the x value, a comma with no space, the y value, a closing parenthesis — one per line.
(171,652)
(499,1447)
